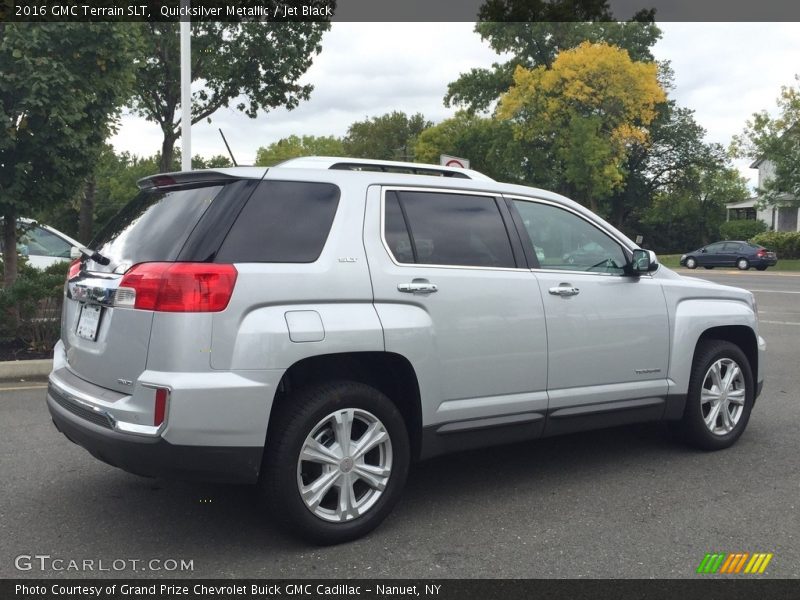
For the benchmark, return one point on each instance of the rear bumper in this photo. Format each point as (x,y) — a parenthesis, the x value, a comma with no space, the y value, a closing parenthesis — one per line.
(154,456)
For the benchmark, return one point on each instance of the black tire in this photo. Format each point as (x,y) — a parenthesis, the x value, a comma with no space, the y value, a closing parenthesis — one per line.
(693,426)
(293,422)
(761,268)
(742,264)
(691,263)
(707,267)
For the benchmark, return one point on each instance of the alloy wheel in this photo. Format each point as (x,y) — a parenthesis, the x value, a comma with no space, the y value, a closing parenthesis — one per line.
(722,396)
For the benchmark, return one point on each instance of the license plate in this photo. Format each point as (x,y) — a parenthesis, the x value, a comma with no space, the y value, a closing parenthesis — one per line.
(89,321)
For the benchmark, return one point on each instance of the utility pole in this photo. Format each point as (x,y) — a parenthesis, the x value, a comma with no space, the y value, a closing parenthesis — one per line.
(186,88)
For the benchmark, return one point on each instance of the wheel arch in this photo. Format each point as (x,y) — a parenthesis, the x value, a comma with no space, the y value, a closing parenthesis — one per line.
(740,335)
(390,373)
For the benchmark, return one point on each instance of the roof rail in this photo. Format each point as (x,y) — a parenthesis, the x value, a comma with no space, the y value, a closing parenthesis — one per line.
(386,166)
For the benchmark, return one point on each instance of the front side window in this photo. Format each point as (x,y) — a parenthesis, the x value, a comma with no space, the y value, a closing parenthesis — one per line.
(714,248)
(436,228)
(563,240)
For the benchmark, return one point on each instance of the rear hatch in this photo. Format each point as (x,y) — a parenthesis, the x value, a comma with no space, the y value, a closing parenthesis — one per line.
(105,336)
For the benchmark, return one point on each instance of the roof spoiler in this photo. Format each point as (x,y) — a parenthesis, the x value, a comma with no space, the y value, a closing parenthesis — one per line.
(183,177)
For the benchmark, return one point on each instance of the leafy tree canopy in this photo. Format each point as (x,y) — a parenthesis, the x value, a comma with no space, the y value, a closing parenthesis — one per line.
(256,66)
(588,110)
(535,31)
(388,137)
(777,140)
(295,146)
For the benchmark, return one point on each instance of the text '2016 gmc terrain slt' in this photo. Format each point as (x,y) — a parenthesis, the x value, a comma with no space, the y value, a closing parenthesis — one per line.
(316,326)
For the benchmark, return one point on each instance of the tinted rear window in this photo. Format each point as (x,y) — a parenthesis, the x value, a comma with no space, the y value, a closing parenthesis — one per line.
(283,221)
(153,226)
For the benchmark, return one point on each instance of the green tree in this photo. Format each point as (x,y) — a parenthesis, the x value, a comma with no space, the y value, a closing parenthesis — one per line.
(535,31)
(488,143)
(260,61)
(777,140)
(583,115)
(61,85)
(295,146)
(388,137)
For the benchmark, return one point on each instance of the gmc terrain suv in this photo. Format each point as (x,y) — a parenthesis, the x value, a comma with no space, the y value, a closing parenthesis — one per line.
(316,326)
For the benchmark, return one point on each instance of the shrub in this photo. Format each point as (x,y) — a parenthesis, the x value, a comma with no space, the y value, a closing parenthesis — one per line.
(742,229)
(785,243)
(35,298)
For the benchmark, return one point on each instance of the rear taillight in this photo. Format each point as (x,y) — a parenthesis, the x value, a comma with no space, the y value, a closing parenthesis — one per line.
(74,268)
(761,253)
(177,287)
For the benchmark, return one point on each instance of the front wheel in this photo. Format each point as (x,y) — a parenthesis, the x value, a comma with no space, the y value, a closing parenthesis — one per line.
(691,263)
(336,461)
(743,264)
(720,398)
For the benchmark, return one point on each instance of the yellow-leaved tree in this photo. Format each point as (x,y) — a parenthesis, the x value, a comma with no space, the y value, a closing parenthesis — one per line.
(580,117)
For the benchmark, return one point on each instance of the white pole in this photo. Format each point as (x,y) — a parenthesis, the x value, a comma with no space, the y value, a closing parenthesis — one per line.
(186,89)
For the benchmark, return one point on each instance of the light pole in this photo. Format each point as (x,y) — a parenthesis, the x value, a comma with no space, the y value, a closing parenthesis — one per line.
(186,88)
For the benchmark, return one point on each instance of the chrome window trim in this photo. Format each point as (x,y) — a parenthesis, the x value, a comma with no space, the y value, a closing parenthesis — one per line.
(558,205)
(394,188)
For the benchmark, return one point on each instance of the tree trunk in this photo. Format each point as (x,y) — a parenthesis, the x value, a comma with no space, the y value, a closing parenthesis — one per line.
(168,151)
(86,212)
(9,248)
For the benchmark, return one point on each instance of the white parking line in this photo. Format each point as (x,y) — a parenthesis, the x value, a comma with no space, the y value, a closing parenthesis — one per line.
(778,322)
(775,292)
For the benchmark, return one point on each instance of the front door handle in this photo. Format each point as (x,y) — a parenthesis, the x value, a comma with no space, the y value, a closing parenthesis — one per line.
(418,286)
(564,290)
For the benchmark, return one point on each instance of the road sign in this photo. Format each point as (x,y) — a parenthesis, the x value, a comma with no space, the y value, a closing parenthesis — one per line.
(453,161)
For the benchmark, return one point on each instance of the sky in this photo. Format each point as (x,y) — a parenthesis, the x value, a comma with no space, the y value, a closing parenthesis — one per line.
(723,71)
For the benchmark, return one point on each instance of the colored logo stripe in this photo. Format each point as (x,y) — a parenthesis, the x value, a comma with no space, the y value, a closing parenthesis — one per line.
(721,562)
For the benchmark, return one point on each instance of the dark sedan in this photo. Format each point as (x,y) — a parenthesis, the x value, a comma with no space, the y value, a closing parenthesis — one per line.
(742,255)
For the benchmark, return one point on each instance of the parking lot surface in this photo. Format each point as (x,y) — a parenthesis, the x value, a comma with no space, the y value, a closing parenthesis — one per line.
(625,502)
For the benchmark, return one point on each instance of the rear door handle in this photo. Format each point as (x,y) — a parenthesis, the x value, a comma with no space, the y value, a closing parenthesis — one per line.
(417,287)
(564,290)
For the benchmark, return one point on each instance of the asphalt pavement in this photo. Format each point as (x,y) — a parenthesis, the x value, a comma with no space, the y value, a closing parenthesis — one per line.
(625,502)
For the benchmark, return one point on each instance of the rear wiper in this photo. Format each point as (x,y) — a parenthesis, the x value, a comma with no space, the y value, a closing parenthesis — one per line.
(94,255)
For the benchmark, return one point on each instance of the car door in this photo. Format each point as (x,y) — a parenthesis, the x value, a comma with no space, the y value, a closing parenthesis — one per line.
(730,252)
(713,255)
(456,298)
(607,332)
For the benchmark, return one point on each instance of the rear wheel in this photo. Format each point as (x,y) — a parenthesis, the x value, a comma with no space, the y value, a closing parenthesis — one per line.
(691,263)
(743,264)
(336,461)
(707,267)
(761,268)
(720,398)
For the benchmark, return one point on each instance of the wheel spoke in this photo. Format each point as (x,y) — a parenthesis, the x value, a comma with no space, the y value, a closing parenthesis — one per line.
(730,377)
(716,375)
(374,435)
(316,491)
(708,396)
(374,476)
(315,452)
(347,498)
(711,419)
(343,429)
(727,424)
(736,397)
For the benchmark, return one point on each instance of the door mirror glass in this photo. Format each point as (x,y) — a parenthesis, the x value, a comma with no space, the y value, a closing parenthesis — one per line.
(643,261)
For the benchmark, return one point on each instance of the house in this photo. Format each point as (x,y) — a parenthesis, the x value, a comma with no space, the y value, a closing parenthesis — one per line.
(777,218)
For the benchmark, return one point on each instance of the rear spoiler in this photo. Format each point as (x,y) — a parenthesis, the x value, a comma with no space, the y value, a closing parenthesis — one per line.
(203,176)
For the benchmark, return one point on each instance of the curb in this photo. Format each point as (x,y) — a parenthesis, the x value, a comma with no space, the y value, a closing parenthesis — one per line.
(25,369)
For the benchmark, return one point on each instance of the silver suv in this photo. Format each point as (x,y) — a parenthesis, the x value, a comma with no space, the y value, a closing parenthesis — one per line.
(317,326)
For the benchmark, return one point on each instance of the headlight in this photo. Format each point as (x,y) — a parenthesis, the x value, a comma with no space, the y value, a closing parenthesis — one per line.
(683,257)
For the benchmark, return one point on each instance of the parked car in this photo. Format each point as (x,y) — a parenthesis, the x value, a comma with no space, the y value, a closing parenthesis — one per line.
(43,245)
(742,255)
(315,328)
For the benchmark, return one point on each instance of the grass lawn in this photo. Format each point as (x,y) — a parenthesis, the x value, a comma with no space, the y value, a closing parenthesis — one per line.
(672,261)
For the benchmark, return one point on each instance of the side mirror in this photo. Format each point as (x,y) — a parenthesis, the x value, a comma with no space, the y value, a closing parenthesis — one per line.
(703,250)
(643,261)
(74,252)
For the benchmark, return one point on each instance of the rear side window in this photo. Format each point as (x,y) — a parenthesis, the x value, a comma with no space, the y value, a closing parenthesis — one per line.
(283,221)
(436,228)
(153,226)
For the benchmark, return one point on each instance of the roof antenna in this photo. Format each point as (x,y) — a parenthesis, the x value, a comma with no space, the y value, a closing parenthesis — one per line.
(235,164)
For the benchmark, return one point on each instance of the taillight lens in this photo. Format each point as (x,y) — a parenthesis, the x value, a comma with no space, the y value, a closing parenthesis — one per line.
(761,253)
(74,268)
(177,287)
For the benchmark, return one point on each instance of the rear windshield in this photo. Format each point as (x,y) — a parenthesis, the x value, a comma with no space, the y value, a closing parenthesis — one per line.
(153,226)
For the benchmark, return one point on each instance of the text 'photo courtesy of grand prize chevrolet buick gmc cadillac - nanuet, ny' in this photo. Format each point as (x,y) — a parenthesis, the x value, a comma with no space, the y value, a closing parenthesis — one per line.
(316,327)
